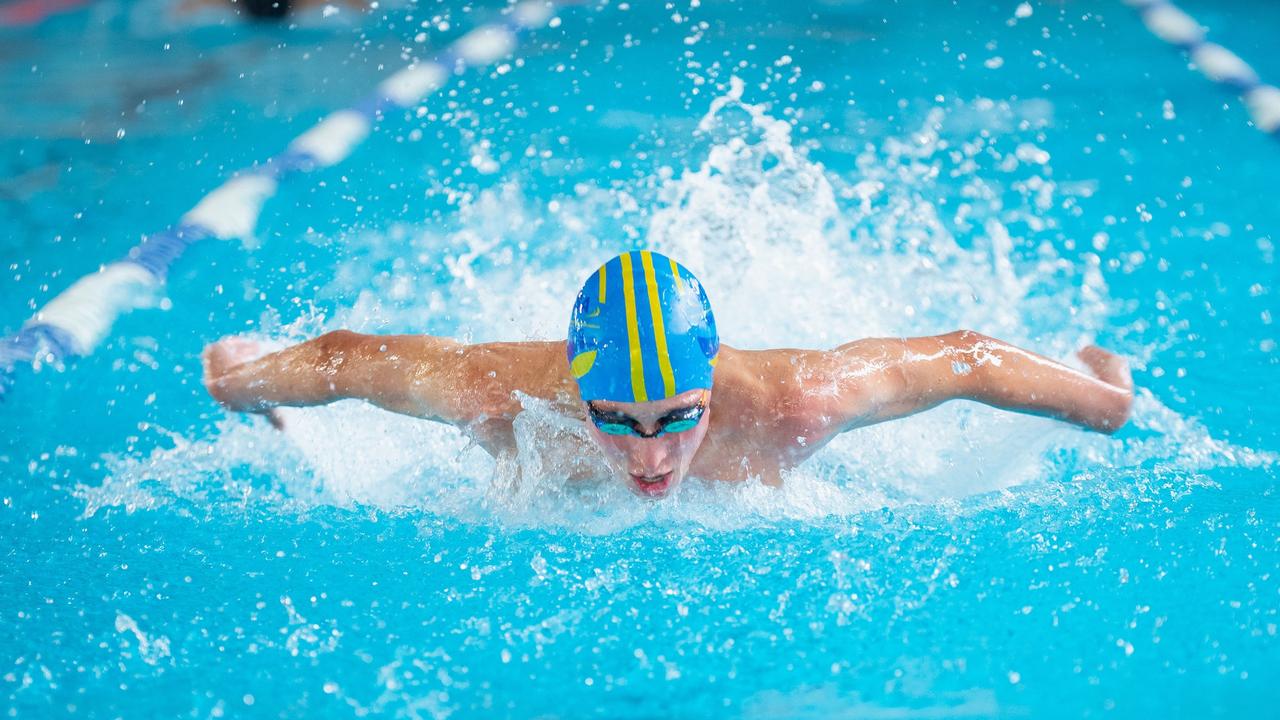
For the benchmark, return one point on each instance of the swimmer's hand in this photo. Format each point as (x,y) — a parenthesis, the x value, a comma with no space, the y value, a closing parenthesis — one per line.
(1108,367)
(225,363)
(1113,370)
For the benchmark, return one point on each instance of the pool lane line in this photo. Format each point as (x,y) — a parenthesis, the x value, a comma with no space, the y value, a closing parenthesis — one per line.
(1169,23)
(77,320)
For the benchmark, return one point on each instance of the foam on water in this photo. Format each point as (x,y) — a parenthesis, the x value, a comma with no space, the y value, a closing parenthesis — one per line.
(950,226)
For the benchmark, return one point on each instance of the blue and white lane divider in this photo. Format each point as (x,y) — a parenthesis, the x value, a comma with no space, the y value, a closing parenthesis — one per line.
(76,321)
(1167,22)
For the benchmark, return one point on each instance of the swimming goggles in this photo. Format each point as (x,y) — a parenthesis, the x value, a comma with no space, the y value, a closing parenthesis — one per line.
(676,421)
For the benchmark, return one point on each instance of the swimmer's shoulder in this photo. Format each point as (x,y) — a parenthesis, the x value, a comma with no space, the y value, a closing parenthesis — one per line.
(496,375)
(769,374)
(786,392)
(768,384)
(760,418)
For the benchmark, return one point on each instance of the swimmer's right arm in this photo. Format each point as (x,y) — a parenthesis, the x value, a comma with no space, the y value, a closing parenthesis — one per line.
(420,375)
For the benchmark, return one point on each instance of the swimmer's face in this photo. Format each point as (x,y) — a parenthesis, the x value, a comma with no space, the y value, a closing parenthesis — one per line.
(652,467)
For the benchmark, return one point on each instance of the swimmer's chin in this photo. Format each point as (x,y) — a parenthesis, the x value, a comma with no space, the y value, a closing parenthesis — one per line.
(652,488)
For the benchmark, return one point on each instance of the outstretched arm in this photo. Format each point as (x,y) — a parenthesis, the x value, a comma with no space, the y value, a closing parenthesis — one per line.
(429,377)
(885,379)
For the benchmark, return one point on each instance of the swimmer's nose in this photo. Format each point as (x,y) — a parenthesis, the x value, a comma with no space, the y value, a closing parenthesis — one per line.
(648,456)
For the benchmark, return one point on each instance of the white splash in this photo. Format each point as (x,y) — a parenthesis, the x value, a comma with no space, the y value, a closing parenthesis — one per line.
(151,650)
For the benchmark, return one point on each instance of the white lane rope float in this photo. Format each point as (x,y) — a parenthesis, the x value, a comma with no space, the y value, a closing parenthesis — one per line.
(74,322)
(1169,23)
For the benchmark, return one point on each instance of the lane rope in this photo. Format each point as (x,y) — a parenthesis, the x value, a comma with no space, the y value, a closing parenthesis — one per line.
(77,320)
(1169,23)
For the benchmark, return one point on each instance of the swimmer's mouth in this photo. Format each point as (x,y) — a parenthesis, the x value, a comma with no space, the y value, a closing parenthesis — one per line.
(652,485)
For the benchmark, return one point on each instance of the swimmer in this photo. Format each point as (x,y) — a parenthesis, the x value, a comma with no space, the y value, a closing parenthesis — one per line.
(661,399)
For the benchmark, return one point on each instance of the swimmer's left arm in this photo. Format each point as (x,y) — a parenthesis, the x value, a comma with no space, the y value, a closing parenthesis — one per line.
(883,379)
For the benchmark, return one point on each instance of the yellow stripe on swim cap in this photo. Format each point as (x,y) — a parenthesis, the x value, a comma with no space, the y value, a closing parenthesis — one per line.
(659,332)
(581,364)
(603,285)
(675,272)
(633,330)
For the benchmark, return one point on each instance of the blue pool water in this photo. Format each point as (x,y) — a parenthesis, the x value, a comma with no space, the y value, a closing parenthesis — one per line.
(831,170)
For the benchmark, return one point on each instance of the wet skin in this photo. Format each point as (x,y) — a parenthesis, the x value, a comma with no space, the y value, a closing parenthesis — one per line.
(655,466)
(770,410)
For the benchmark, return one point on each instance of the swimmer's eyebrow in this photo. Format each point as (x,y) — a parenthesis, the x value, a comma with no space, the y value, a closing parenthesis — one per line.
(681,411)
(611,414)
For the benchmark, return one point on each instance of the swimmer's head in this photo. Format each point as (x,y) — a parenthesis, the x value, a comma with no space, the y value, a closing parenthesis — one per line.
(643,349)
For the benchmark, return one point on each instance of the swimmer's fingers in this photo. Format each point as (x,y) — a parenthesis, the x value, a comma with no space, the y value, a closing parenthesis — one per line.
(221,361)
(221,356)
(1107,366)
(225,355)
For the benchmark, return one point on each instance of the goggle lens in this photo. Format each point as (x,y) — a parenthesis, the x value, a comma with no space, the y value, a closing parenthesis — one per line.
(680,426)
(610,428)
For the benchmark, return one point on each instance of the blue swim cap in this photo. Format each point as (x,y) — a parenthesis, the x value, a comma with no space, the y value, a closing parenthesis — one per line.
(641,330)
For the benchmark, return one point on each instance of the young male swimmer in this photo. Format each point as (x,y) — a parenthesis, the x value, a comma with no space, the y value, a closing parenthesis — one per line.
(662,399)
